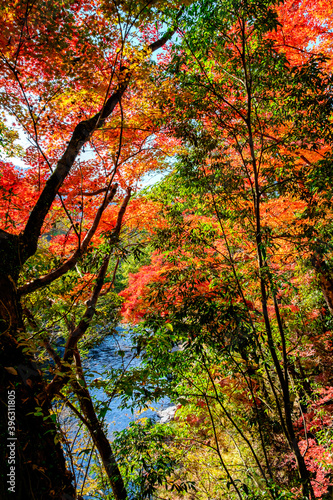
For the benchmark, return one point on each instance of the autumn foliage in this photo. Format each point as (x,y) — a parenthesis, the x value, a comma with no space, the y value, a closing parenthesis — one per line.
(241,270)
(222,270)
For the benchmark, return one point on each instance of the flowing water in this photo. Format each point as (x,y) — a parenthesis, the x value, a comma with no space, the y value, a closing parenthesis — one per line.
(101,358)
(106,356)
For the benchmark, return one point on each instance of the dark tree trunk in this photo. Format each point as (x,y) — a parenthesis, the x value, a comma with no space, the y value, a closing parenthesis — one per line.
(34,460)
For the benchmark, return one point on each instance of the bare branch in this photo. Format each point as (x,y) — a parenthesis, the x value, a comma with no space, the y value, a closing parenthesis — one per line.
(82,327)
(94,193)
(168,35)
(60,380)
(70,263)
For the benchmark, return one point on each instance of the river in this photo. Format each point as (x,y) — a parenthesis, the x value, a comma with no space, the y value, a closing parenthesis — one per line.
(99,359)
(106,356)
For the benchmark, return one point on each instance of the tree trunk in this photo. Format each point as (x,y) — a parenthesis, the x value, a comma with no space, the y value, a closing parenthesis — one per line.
(32,464)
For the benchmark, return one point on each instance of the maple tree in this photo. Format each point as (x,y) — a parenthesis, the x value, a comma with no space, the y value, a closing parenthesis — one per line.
(74,74)
(235,296)
(244,238)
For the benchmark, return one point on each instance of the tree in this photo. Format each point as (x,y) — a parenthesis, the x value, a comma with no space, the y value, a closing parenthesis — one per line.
(73,74)
(254,113)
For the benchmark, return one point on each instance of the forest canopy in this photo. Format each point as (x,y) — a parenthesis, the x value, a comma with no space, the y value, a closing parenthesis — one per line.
(217,276)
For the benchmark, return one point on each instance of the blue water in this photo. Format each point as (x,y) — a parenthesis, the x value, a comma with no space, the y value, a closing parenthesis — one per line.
(99,360)
(106,356)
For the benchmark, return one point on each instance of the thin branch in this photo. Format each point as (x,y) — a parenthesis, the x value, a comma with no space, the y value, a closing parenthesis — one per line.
(71,262)
(82,133)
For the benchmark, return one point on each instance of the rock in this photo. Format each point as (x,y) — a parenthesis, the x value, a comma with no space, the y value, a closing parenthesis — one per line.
(167,415)
(179,347)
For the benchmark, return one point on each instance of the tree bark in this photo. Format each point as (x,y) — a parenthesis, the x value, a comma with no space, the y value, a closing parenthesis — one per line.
(28,448)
